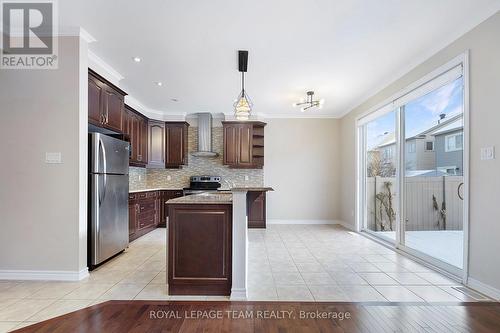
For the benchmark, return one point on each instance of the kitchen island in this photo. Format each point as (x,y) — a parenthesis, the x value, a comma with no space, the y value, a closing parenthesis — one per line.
(200,242)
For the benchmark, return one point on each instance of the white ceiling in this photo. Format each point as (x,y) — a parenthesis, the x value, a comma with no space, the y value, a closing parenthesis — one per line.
(343,50)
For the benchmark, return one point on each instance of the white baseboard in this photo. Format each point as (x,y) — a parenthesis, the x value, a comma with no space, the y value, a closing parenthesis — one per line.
(484,288)
(238,294)
(44,275)
(280,221)
(347,225)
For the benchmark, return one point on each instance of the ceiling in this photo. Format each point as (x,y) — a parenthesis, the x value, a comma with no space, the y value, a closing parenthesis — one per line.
(343,50)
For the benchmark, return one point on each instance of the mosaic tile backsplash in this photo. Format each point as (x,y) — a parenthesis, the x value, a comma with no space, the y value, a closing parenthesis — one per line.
(141,178)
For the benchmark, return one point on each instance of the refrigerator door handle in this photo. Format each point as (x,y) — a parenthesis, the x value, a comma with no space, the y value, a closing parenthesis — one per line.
(101,147)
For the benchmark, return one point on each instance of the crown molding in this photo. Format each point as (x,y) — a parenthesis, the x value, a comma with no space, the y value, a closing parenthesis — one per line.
(152,113)
(103,68)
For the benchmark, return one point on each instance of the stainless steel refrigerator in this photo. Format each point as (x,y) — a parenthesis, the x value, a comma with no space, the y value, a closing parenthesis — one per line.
(108,197)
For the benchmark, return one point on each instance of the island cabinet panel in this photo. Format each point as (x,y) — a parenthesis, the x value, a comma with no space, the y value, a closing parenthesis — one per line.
(105,103)
(256,207)
(243,144)
(176,144)
(200,249)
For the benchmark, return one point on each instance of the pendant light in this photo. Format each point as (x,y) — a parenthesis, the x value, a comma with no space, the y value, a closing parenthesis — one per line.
(243,104)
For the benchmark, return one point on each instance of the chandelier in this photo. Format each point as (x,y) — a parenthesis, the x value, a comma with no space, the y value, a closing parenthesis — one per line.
(309,102)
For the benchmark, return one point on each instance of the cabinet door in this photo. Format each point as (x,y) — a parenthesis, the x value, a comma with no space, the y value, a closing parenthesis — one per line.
(175,146)
(230,145)
(244,141)
(113,110)
(95,101)
(144,140)
(132,220)
(256,206)
(156,144)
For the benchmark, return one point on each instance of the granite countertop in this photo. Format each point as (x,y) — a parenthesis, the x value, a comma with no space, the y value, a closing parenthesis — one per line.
(156,189)
(204,198)
(252,189)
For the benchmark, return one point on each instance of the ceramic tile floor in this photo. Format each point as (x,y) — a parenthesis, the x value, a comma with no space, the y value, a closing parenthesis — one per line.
(286,262)
(330,263)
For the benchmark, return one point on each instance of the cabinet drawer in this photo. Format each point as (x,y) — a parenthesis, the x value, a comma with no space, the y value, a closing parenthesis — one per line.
(132,196)
(146,206)
(142,195)
(152,194)
(146,222)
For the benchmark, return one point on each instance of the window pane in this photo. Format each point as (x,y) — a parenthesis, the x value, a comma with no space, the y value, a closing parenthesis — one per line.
(433,220)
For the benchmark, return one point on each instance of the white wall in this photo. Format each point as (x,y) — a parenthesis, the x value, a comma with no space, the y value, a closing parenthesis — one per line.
(484,47)
(43,206)
(302,165)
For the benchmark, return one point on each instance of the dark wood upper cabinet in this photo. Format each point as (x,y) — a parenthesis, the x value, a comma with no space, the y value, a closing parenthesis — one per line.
(156,144)
(105,103)
(113,110)
(95,101)
(244,144)
(176,151)
(135,126)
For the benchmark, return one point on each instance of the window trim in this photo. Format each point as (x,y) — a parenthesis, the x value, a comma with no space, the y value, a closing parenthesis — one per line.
(412,147)
(449,150)
(425,146)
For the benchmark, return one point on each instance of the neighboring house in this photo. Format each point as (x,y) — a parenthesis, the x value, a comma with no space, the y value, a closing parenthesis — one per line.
(421,152)
(449,142)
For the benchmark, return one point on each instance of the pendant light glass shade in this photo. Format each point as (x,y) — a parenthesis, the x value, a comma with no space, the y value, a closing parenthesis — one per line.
(242,106)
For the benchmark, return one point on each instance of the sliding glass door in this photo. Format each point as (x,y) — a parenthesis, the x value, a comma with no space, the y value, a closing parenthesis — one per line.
(379,181)
(434,174)
(412,170)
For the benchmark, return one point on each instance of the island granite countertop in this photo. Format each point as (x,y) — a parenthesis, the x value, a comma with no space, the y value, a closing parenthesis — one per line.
(251,189)
(204,198)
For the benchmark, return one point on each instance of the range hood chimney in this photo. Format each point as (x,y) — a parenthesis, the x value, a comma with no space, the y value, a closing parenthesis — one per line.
(205,136)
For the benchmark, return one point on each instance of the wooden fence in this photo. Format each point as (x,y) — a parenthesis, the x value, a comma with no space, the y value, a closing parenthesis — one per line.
(419,206)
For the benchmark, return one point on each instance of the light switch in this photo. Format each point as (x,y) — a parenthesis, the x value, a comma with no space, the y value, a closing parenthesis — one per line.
(247,178)
(53,158)
(487,153)
(169,177)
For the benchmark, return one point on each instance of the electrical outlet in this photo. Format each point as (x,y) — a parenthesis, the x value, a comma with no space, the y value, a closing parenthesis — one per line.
(487,153)
(53,158)
(169,177)
(247,178)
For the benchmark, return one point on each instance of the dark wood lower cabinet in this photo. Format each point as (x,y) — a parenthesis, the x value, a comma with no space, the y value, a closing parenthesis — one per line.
(164,197)
(256,209)
(199,249)
(147,211)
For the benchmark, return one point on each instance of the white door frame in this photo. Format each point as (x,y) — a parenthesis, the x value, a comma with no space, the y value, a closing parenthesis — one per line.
(390,103)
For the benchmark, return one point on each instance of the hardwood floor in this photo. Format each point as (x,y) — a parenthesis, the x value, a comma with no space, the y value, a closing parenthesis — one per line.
(147,316)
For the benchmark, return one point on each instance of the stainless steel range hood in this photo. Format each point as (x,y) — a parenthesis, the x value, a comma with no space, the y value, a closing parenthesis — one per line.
(205,136)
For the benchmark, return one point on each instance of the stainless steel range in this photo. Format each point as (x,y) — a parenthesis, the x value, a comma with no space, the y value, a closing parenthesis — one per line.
(201,184)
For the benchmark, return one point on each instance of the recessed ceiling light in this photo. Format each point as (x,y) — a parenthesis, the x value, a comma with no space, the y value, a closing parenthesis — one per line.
(174,99)
(136,59)
(159,84)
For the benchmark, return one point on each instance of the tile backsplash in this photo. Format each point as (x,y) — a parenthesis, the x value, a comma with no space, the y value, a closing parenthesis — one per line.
(141,178)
